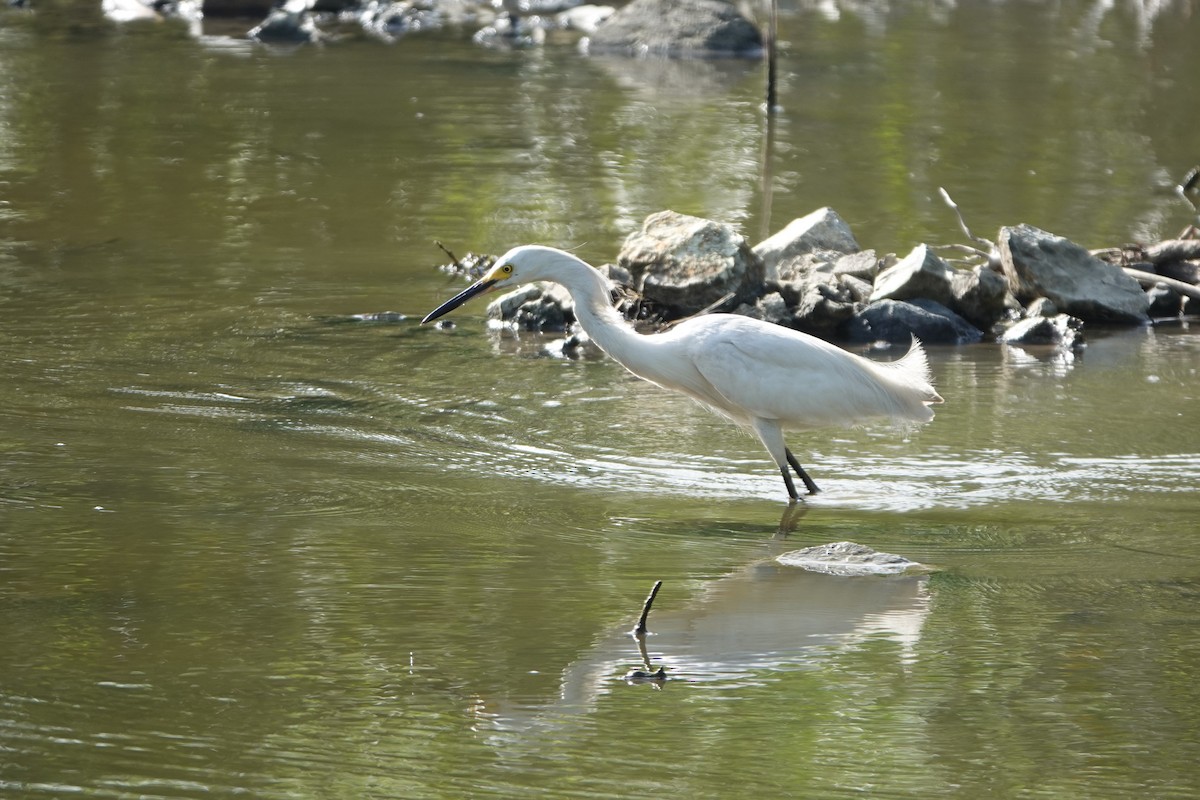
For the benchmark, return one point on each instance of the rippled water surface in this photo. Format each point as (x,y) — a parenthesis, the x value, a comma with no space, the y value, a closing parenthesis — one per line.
(251,547)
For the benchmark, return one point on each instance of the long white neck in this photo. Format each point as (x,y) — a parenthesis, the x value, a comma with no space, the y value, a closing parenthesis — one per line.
(594,309)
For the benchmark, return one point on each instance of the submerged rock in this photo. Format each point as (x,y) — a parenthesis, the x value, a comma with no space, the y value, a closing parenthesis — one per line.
(847,558)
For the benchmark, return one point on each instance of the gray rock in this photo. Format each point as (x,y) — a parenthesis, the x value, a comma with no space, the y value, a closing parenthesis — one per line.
(1040,264)
(290,24)
(534,307)
(585,18)
(1062,330)
(687,263)
(822,303)
(391,20)
(919,274)
(823,229)
(1041,307)
(617,274)
(773,308)
(847,558)
(980,296)
(677,28)
(860,290)
(1186,271)
(864,265)
(896,321)
(1164,301)
(803,265)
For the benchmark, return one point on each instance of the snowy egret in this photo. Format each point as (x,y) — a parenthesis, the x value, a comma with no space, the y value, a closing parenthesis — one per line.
(762,376)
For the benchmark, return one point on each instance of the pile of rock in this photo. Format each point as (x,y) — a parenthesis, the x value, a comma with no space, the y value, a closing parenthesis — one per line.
(1037,288)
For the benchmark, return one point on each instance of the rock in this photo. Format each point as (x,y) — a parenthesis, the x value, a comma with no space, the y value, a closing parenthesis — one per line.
(1164,301)
(896,321)
(864,265)
(919,274)
(859,289)
(677,28)
(1041,307)
(823,229)
(586,18)
(773,308)
(1186,271)
(847,558)
(980,296)
(128,10)
(803,265)
(616,274)
(534,307)
(390,21)
(1040,264)
(688,263)
(820,303)
(283,26)
(1062,331)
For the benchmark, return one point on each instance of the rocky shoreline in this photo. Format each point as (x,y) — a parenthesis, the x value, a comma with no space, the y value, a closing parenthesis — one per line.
(1030,287)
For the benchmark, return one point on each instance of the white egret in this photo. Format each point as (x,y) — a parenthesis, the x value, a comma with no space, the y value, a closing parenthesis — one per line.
(762,376)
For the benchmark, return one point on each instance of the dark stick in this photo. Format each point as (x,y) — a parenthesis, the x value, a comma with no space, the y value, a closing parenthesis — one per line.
(453,257)
(772,27)
(640,630)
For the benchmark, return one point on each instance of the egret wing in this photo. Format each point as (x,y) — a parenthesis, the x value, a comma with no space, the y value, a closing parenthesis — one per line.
(770,372)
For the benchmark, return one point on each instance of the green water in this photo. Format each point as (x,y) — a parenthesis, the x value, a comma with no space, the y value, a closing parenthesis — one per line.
(246,549)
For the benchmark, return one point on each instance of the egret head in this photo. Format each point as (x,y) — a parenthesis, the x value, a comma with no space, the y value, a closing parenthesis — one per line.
(517,266)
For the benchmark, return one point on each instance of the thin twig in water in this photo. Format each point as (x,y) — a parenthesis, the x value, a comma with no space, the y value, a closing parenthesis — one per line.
(640,629)
(457,264)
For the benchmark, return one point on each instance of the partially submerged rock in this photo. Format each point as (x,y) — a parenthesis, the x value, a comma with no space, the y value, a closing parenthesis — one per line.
(677,28)
(1040,264)
(847,558)
(897,321)
(289,24)
(1061,330)
(542,307)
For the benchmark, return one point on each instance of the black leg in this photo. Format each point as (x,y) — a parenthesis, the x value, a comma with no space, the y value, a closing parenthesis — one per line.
(808,482)
(791,487)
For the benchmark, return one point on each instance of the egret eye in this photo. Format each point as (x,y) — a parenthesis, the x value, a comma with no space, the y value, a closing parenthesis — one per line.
(506,269)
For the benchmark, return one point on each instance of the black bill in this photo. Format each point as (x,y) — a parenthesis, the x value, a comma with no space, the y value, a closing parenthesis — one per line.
(454,302)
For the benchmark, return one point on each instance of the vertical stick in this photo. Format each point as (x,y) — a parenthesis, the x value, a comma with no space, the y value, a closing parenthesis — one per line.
(772,74)
(640,630)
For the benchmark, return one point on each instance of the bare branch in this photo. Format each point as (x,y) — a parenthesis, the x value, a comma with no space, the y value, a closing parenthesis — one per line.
(640,629)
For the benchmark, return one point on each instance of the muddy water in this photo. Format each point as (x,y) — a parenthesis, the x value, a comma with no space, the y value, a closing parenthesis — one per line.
(248,547)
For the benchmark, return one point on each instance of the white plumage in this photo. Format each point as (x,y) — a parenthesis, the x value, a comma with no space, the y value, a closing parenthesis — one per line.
(763,376)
